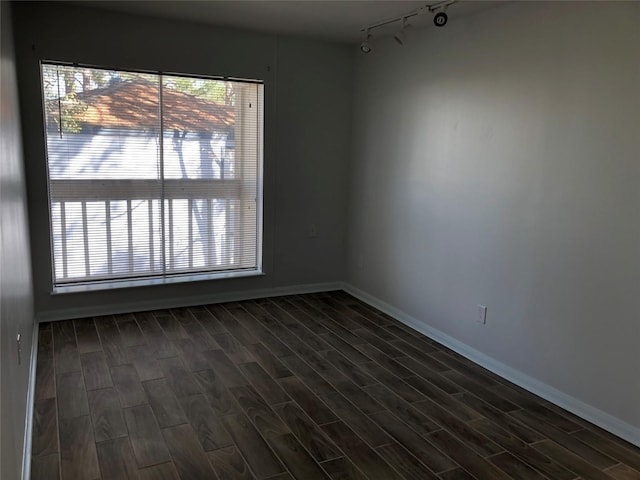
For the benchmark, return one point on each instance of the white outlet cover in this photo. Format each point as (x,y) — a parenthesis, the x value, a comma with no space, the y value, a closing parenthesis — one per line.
(482,314)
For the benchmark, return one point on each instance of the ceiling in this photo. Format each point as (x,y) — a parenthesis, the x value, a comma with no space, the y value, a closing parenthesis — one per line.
(333,20)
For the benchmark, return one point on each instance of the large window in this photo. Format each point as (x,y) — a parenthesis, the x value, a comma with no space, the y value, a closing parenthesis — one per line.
(152,176)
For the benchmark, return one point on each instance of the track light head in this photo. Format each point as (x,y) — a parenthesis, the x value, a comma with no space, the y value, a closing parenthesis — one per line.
(440,19)
(365,46)
(400,36)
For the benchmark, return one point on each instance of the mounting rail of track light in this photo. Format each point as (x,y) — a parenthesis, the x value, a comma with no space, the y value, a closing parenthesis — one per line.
(440,18)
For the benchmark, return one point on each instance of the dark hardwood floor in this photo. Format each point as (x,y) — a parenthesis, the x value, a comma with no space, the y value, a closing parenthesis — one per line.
(298,387)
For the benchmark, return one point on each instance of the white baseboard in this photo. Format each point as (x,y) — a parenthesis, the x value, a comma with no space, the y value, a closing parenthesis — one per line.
(31,389)
(161,303)
(602,419)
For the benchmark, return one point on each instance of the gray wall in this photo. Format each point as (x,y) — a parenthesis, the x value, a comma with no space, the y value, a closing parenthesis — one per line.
(497,161)
(307,140)
(16,302)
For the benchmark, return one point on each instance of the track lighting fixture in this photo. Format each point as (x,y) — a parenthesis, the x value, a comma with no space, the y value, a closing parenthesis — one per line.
(439,19)
(365,46)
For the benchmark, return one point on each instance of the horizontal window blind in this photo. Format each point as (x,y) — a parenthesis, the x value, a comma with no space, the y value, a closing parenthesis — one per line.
(151,175)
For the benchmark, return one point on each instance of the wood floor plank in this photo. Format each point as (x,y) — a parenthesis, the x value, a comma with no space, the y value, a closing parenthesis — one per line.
(254,449)
(154,335)
(263,417)
(498,417)
(217,393)
(95,371)
(310,403)
(405,411)
(180,380)
(72,396)
(449,402)
(470,437)
(143,359)
(237,352)
(87,336)
(363,456)
(171,326)
(588,453)
(347,349)
(194,360)
(65,349)
(209,321)
(342,469)
(263,383)
(297,460)
(45,428)
(128,385)
(45,373)
(46,467)
(197,333)
(207,425)
(394,383)
(623,472)
(220,363)
(418,446)
(432,371)
(269,361)
(164,403)
(356,420)
(146,440)
(130,333)
(489,396)
(188,456)
(308,433)
(106,414)
(349,369)
(614,448)
(405,463)
(111,340)
(275,345)
(229,464)
(570,460)
(164,471)
(465,457)
(308,375)
(380,344)
(78,458)
(116,460)
(456,474)
(514,467)
(466,367)
(385,361)
(233,317)
(551,417)
(520,449)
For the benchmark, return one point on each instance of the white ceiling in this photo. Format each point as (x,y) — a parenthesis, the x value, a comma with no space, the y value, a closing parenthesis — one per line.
(334,20)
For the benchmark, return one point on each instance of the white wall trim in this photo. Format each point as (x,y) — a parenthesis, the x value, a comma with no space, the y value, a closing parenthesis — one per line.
(161,303)
(602,419)
(31,389)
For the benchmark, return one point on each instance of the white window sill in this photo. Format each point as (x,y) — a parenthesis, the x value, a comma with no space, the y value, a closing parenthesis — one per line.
(147,282)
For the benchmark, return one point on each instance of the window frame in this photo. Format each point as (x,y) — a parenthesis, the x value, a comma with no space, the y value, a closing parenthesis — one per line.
(85,284)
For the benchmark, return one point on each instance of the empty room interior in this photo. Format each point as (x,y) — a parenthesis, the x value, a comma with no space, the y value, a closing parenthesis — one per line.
(337,240)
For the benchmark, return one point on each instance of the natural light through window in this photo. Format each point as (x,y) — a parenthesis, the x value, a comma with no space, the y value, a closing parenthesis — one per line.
(152,176)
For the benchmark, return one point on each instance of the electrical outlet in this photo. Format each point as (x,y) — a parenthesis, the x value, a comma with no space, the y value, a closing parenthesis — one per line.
(482,314)
(19,345)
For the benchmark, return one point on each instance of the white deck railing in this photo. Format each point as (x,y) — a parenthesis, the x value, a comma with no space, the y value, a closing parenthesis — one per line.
(105,229)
